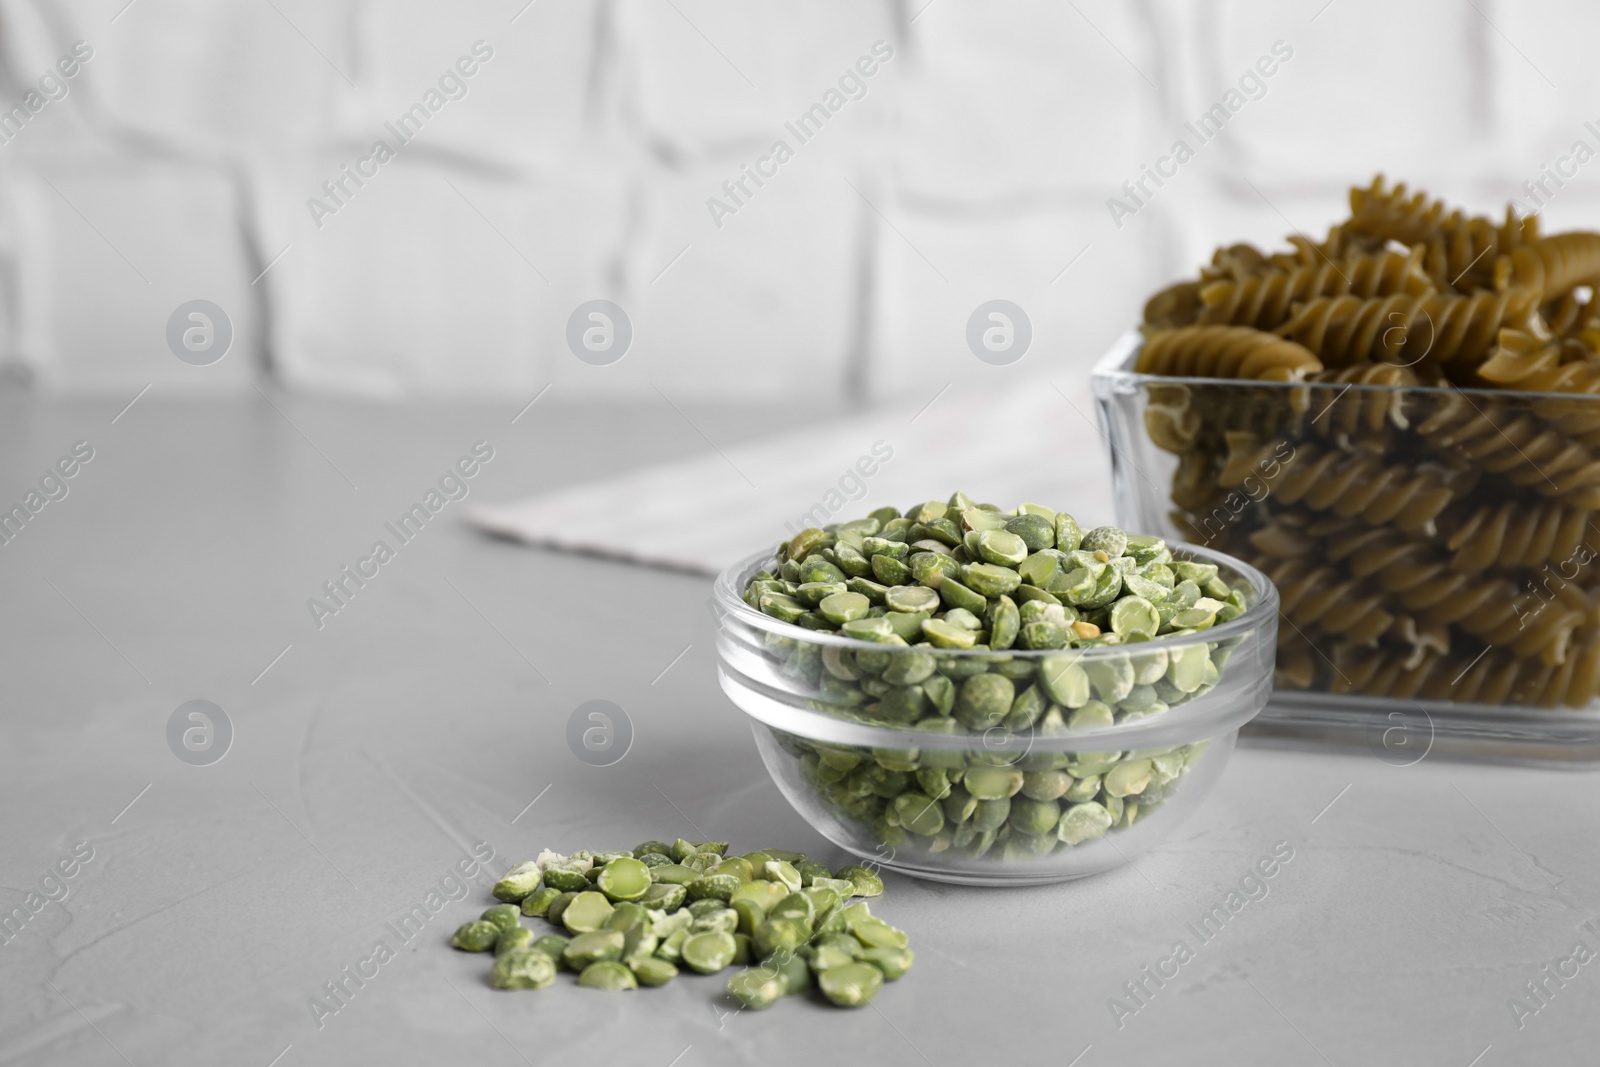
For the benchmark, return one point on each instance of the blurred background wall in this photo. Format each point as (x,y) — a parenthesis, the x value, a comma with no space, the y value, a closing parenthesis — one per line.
(185,156)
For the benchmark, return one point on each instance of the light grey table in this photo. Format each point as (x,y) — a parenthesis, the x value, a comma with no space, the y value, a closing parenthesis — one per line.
(427,719)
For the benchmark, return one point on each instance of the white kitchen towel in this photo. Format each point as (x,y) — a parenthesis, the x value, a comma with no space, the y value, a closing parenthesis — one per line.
(1037,441)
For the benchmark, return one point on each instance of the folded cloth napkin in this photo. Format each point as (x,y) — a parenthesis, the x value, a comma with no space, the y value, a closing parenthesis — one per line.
(1032,442)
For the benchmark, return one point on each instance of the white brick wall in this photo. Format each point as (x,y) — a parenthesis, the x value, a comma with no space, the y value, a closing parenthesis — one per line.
(975,166)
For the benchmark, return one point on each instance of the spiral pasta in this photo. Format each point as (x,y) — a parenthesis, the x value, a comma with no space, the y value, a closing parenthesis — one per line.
(1170,418)
(1349,411)
(1493,609)
(1263,300)
(1407,330)
(1493,677)
(1518,446)
(1551,265)
(1349,485)
(1426,491)
(1176,305)
(1321,597)
(1460,248)
(1225,352)
(1521,360)
(1413,596)
(1515,534)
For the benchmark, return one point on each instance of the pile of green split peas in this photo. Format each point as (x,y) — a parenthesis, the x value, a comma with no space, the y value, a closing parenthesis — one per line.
(955,577)
(632,918)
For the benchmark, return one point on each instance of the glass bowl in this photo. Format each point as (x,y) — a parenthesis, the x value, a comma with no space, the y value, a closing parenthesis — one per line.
(1116,745)
(1376,508)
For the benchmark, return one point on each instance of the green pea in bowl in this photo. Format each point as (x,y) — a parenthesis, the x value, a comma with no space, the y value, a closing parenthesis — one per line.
(997,768)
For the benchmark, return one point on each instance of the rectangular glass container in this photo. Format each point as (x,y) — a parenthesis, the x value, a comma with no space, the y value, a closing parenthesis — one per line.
(1437,550)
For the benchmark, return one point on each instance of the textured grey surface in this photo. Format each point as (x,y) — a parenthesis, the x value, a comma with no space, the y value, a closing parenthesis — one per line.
(423,718)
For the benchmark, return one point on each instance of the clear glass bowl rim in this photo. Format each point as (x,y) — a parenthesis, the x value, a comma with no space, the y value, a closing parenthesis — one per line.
(1203,720)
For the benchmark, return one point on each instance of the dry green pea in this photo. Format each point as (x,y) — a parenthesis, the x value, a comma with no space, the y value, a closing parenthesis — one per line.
(911,598)
(586,913)
(624,879)
(674,874)
(834,954)
(989,579)
(760,892)
(653,972)
(518,882)
(792,970)
(1005,622)
(918,813)
(503,916)
(959,805)
(608,975)
(1135,615)
(1042,635)
(625,916)
(795,906)
(943,634)
(552,945)
(658,847)
(811,870)
(984,700)
(935,781)
(737,866)
(780,935)
(782,872)
(709,951)
(992,783)
(890,571)
(841,888)
(1084,822)
(1034,816)
(850,985)
(682,849)
(1107,539)
(1035,531)
(516,937)
(756,988)
(1093,715)
(523,968)
(603,858)
(954,594)
(1064,679)
(910,667)
(1001,548)
(558,906)
(750,915)
(724,919)
(826,894)
(864,881)
(1046,784)
(593,947)
(537,903)
(867,588)
(664,897)
(991,814)
(671,947)
(705,906)
(875,933)
(475,936)
(893,962)
(1128,778)
(742,952)
(566,879)
(804,543)
(843,607)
